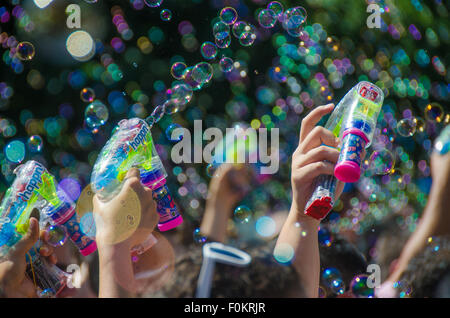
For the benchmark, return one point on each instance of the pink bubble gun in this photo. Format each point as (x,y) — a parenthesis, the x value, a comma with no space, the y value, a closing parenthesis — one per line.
(132,146)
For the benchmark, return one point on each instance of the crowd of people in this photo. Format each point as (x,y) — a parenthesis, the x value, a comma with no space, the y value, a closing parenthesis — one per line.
(171,265)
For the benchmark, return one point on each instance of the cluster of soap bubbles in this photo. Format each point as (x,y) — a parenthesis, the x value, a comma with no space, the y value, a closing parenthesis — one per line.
(360,287)
(199,238)
(332,278)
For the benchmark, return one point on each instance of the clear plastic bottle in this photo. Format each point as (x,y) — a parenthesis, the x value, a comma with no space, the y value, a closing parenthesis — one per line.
(357,130)
(322,199)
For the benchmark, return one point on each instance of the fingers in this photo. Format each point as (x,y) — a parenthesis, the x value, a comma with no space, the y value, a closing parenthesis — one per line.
(317,137)
(28,240)
(312,119)
(318,154)
(315,169)
(133,180)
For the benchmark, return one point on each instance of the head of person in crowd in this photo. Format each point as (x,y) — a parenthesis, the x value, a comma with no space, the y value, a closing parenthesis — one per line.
(428,273)
(343,256)
(263,277)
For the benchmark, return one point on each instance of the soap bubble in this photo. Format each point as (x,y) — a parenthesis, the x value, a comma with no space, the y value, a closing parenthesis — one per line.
(179,95)
(242,214)
(239,28)
(87,95)
(223,43)
(178,69)
(276,7)
(406,127)
(381,162)
(15,151)
(325,237)
(226,64)
(403,289)
(96,115)
(434,112)
(153,3)
(166,15)
(420,124)
(25,51)
(293,20)
(228,15)
(189,80)
(267,18)
(87,224)
(35,143)
(199,238)
(208,50)
(359,287)
(202,72)
(221,30)
(265,226)
(171,135)
(333,280)
(157,113)
(248,37)
(211,170)
(56,235)
(283,253)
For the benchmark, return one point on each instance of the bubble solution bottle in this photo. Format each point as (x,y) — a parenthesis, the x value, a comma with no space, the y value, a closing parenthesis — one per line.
(357,130)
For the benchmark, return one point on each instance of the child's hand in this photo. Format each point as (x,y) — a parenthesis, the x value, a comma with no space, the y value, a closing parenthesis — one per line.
(130,217)
(229,185)
(314,156)
(13,281)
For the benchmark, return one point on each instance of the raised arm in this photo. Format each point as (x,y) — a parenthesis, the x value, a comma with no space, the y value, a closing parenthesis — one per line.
(298,241)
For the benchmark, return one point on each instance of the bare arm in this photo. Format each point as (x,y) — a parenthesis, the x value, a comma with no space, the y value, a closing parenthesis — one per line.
(436,217)
(299,233)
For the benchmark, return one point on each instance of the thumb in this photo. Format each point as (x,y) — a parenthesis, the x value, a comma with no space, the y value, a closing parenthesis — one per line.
(133,172)
(28,240)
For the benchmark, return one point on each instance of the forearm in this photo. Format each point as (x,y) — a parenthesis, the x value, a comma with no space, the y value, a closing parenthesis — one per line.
(300,233)
(435,221)
(215,220)
(116,271)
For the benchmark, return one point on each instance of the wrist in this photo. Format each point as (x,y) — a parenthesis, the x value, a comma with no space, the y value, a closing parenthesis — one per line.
(302,218)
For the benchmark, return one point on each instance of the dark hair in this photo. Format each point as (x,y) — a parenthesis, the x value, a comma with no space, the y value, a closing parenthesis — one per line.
(428,273)
(343,256)
(389,244)
(264,277)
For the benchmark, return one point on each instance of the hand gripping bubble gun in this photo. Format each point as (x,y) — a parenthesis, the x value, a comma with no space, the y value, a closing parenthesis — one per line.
(34,187)
(132,146)
(322,199)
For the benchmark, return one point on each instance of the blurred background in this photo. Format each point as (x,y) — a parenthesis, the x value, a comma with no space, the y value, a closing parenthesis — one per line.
(272,82)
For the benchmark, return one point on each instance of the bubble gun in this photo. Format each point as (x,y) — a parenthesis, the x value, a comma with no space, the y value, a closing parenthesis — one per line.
(132,146)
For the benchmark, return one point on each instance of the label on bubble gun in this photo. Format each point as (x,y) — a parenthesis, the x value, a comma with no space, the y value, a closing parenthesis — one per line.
(165,205)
